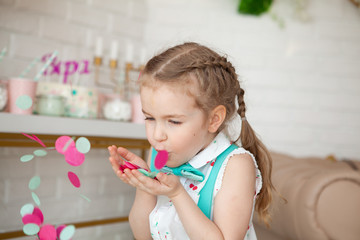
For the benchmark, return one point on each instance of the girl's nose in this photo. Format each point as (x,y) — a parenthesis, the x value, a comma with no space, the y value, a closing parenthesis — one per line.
(159,133)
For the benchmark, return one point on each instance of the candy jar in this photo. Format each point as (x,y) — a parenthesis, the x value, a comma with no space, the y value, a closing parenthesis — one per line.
(50,105)
(115,108)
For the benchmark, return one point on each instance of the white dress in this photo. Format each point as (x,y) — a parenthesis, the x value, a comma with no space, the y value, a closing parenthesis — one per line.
(164,220)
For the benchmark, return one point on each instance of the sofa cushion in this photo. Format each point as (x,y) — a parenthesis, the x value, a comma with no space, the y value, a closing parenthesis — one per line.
(323,198)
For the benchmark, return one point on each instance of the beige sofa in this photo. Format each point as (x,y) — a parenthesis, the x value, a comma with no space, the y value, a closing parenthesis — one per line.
(323,200)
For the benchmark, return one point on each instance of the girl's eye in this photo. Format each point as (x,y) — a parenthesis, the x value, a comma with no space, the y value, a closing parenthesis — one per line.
(175,122)
(149,119)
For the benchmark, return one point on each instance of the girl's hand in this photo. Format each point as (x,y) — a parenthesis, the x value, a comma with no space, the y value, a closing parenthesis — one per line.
(117,156)
(168,185)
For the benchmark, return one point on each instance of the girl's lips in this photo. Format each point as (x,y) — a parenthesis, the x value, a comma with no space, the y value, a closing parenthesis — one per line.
(157,149)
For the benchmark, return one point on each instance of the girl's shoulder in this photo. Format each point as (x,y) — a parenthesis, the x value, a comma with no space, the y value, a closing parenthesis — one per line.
(241,167)
(241,155)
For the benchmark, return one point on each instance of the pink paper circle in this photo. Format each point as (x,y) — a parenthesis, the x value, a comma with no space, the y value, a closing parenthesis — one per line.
(38,212)
(74,157)
(47,232)
(161,159)
(59,229)
(74,179)
(63,143)
(31,218)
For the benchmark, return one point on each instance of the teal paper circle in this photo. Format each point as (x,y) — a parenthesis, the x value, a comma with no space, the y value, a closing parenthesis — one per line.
(24,102)
(31,229)
(26,209)
(67,232)
(83,145)
(34,182)
(27,157)
(40,153)
(35,198)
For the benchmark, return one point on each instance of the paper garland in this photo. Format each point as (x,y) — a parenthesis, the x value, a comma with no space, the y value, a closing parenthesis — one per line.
(32,216)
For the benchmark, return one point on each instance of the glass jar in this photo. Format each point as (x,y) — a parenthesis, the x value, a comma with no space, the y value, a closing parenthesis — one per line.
(115,108)
(50,105)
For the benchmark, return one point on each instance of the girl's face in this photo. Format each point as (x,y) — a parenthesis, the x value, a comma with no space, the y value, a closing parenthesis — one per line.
(174,123)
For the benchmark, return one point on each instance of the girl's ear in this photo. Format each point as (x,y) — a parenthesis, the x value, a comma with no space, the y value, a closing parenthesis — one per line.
(217,117)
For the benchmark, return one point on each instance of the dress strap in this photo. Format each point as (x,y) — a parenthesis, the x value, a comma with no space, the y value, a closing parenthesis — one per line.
(206,193)
(152,161)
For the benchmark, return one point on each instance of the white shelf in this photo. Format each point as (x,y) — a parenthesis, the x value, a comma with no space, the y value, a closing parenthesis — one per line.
(14,123)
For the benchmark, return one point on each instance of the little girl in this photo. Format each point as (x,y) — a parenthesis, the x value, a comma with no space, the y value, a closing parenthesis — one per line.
(189,93)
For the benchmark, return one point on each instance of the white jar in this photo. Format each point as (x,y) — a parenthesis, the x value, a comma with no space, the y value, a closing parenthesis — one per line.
(117,109)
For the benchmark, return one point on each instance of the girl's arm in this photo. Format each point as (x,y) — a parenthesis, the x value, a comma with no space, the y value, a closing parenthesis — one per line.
(232,206)
(139,214)
(144,202)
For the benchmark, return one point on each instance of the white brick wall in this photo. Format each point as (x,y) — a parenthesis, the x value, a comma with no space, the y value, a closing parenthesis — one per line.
(302,85)
(302,82)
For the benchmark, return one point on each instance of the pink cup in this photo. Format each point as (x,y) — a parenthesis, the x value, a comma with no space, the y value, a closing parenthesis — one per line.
(20,91)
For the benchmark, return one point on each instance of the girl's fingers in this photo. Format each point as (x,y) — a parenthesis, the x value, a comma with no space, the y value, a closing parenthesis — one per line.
(129,156)
(123,177)
(133,180)
(148,184)
(113,152)
(114,163)
(137,180)
(114,166)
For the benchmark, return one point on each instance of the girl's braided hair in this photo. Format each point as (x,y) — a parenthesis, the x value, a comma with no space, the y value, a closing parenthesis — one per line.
(217,84)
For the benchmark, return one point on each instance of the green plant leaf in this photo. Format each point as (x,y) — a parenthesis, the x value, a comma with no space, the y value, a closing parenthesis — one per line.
(254,7)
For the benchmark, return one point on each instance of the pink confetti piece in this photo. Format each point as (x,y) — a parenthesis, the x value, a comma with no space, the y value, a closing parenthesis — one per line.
(128,165)
(74,157)
(35,138)
(161,159)
(67,145)
(38,213)
(39,141)
(47,232)
(74,179)
(63,143)
(59,229)
(31,218)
